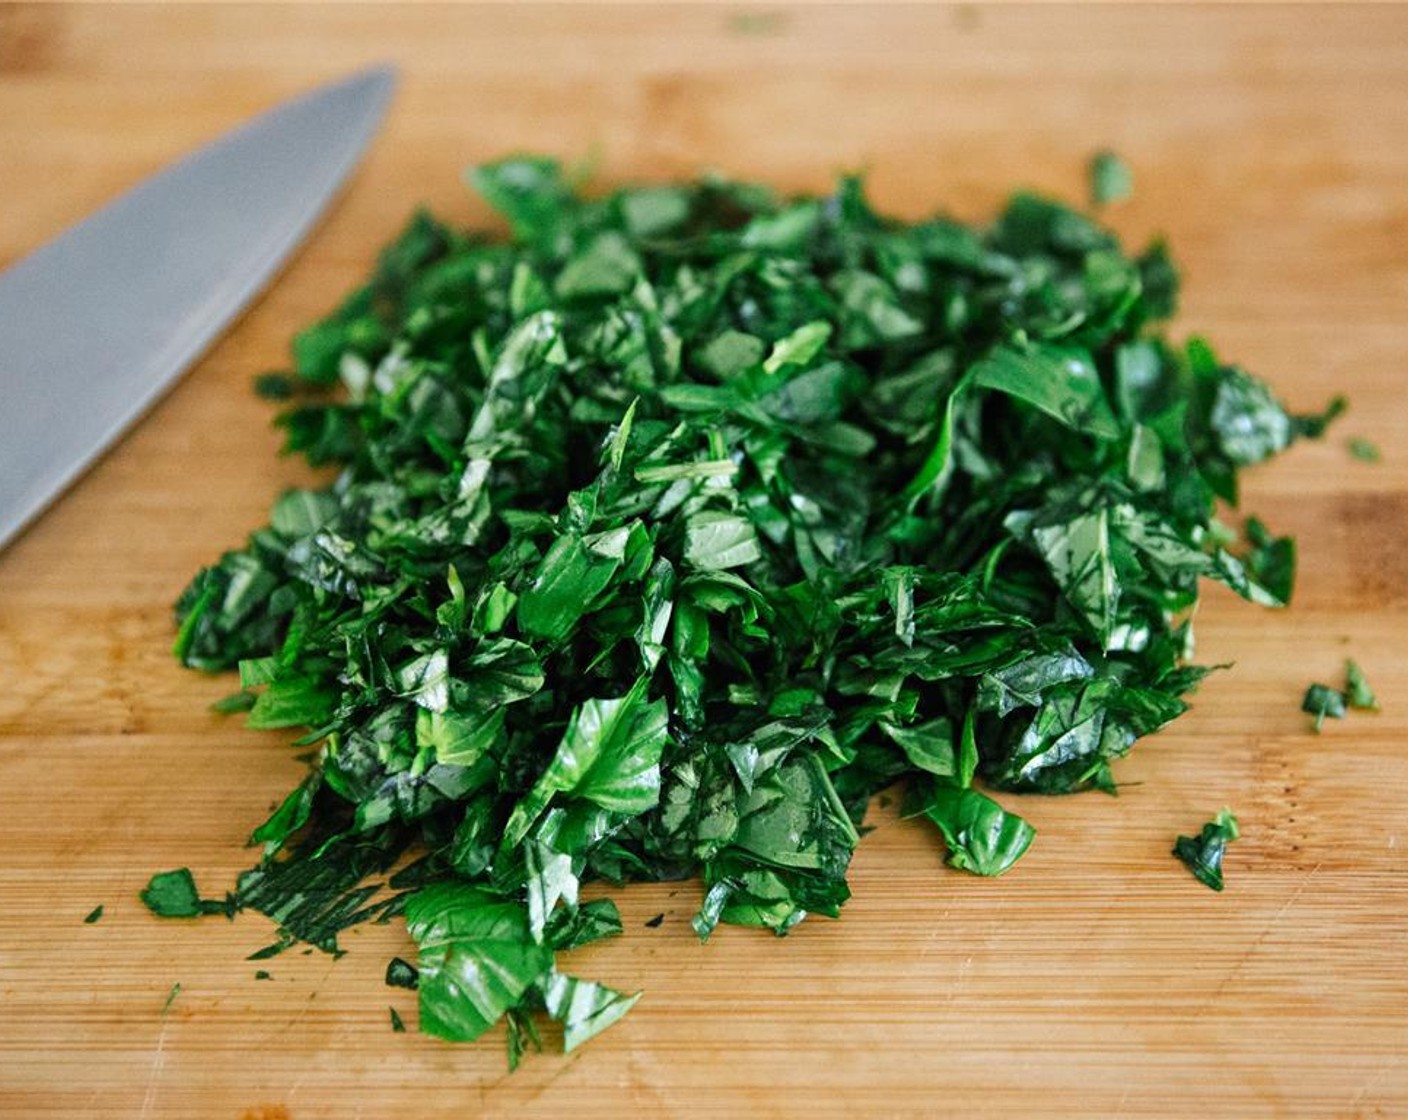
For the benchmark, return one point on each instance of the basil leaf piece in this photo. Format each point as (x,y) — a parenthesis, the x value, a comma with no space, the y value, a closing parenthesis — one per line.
(584,1008)
(1324,702)
(1357,690)
(1061,382)
(981,836)
(173,894)
(476,958)
(1203,854)
(1110,179)
(609,755)
(401,974)
(1366,451)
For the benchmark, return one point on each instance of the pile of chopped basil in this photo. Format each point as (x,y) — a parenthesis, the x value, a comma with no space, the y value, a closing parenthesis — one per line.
(667,533)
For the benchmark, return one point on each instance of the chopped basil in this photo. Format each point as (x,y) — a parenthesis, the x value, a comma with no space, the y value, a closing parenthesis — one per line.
(1203,853)
(1324,702)
(401,974)
(1110,179)
(669,532)
(275,386)
(1357,689)
(172,894)
(1364,450)
(235,702)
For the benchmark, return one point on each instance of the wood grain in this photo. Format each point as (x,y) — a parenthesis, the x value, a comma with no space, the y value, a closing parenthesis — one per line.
(1270,145)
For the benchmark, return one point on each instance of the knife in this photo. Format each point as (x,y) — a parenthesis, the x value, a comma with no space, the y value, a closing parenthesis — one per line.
(96,324)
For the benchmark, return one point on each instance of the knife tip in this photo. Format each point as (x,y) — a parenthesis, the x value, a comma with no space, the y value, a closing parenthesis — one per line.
(370,87)
(381,78)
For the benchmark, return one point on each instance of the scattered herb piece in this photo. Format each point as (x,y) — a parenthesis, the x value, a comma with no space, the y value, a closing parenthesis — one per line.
(655,922)
(1357,689)
(522,1033)
(1204,854)
(275,386)
(172,894)
(402,974)
(262,974)
(396,1025)
(272,950)
(171,998)
(1323,702)
(93,915)
(670,532)
(584,1008)
(235,702)
(1313,425)
(1270,561)
(1364,450)
(1110,179)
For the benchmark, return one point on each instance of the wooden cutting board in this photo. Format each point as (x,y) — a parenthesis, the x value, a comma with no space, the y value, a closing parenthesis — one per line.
(1269,144)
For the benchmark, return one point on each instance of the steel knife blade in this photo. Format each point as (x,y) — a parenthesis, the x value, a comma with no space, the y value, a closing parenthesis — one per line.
(98,323)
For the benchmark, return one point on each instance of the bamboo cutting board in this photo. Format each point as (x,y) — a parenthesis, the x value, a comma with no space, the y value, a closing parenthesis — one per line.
(1269,144)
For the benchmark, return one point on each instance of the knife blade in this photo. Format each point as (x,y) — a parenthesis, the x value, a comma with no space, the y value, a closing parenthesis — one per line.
(98,323)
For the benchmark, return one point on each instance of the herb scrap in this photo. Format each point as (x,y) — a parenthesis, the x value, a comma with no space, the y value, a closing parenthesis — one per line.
(401,974)
(671,531)
(94,915)
(173,894)
(397,1025)
(1110,179)
(1357,690)
(235,702)
(275,386)
(1364,450)
(1203,855)
(1324,702)
(262,974)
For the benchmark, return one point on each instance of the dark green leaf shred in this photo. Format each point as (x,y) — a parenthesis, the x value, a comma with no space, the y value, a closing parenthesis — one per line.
(235,702)
(401,974)
(1203,853)
(173,894)
(94,915)
(668,533)
(275,386)
(1324,702)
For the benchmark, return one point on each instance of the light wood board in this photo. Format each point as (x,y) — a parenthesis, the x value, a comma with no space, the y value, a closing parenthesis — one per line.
(1269,144)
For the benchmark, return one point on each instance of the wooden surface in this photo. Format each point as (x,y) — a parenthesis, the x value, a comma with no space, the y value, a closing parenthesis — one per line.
(1269,144)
